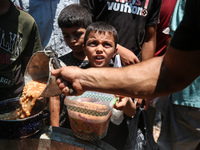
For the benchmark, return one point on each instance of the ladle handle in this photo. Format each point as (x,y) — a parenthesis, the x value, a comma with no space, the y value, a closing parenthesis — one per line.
(56,64)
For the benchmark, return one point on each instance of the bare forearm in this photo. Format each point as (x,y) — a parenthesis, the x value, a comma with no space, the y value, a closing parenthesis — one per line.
(54,107)
(148,79)
(155,77)
(148,50)
(149,45)
(127,56)
(128,81)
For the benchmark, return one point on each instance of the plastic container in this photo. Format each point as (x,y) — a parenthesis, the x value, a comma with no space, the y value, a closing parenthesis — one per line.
(89,114)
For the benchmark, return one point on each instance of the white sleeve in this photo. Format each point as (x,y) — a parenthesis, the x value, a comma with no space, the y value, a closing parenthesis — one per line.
(117,62)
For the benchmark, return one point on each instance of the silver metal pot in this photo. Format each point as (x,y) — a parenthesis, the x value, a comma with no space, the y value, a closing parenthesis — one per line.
(21,128)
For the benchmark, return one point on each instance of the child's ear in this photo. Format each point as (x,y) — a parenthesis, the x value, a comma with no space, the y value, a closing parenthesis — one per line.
(115,51)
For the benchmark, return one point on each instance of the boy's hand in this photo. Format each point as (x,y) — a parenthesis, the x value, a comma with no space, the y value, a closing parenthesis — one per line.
(127,56)
(121,102)
(126,105)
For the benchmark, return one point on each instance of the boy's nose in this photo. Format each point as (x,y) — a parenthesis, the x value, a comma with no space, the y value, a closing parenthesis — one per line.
(99,48)
(72,39)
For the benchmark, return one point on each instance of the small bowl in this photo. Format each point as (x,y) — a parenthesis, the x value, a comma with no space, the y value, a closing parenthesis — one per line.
(89,114)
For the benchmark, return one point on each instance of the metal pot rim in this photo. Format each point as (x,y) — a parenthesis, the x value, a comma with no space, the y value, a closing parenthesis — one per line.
(25,119)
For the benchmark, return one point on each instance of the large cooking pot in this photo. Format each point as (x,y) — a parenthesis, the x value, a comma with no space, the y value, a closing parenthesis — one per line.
(21,128)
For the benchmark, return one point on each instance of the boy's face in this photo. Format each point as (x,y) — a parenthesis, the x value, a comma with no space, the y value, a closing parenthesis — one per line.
(100,48)
(74,37)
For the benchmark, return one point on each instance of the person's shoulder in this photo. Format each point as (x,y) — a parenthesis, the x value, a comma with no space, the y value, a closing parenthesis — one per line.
(26,15)
(23,15)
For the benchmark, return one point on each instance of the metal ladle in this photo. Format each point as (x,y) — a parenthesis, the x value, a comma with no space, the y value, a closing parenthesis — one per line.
(38,69)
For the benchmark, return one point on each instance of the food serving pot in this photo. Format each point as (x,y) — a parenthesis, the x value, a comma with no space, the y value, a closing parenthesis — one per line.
(21,128)
(38,69)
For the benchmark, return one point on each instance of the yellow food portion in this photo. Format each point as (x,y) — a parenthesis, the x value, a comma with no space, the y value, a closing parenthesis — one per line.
(31,93)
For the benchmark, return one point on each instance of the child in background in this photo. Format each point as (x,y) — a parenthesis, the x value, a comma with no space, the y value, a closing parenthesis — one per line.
(100,46)
(73,21)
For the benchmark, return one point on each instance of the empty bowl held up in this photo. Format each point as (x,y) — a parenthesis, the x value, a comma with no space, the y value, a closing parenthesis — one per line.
(89,114)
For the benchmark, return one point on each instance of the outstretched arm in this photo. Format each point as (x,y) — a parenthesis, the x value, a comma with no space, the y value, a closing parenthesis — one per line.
(152,78)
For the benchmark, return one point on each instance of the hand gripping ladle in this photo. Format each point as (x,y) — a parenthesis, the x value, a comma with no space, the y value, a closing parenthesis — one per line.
(56,64)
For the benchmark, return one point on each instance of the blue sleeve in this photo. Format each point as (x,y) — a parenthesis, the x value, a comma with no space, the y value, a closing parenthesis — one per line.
(186,37)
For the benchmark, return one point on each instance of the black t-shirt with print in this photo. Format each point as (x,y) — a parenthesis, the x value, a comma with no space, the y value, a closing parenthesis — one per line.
(127,17)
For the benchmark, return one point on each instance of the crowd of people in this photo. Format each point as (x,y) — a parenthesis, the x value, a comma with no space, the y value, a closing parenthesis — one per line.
(148,49)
